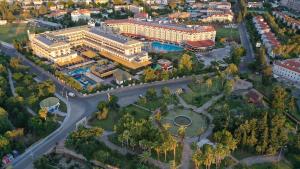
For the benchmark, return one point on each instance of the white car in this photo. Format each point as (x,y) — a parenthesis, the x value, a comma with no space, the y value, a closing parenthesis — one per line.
(71,94)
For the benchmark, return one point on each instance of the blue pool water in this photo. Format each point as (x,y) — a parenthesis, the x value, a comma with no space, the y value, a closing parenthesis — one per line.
(79,75)
(164,47)
(79,71)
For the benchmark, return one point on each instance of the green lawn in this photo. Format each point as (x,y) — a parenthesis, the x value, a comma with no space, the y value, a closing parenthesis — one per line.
(155,104)
(228,33)
(199,122)
(107,124)
(114,116)
(9,32)
(200,93)
(279,165)
(240,154)
(137,112)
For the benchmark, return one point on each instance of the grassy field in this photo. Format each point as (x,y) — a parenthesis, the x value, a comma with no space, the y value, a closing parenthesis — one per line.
(114,116)
(9,32)
(228,33)
(200,93)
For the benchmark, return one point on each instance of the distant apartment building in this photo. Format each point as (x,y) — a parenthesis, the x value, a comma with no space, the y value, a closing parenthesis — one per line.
(288,69)
(292,4)
(255,4)
(218,18)
(57,14)
(268,38)
(83,14)
(190,1)
(159,31)
(220,5)
(57,46)
(101,1)
(294,23)
(161,2)
(132,8)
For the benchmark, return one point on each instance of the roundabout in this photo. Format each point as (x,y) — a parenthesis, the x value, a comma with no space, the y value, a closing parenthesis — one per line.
(194,122)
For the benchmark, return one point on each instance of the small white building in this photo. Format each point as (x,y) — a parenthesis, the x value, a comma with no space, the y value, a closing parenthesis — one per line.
(3,22)
(288,69)
(255,5)
(80,14)
(101,1)
(161,2)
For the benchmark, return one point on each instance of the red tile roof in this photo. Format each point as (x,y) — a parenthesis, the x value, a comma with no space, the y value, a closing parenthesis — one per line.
(199,44)
(164,26)
(290,64)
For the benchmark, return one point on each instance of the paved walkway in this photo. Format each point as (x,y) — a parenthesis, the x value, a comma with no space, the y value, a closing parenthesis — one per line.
(13,91)
(187,152)
(124,150)
(248,161)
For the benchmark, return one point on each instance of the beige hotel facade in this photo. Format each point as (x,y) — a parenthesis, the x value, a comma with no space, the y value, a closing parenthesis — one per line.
(158,31)
(57,45)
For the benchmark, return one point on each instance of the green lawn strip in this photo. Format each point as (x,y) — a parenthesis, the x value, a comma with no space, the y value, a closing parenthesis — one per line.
(200,93)
(114,116)
(137,112)
(277,165)
(228,33)
(63,106)
(241,154)
(155,104)
(107,124)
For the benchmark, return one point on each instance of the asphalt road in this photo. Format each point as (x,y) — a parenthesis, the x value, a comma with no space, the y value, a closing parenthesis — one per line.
(78,107)
(250,57)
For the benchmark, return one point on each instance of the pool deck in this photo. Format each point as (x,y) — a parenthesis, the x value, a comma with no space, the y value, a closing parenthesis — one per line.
(131,65)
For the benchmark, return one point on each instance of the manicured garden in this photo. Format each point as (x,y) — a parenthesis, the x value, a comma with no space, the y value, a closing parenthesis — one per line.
(197,126)
(202,91)
(115,115)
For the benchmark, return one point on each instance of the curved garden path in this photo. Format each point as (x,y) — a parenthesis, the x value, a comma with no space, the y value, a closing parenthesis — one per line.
(187,152)
(13,91)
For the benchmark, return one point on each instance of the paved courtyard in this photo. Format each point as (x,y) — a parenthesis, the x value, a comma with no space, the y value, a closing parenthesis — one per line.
(216,55)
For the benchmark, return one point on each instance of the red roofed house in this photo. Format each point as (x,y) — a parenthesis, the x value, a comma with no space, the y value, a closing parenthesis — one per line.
(254,97)
(200,45)
(195,37)
(81,14)
(288,69)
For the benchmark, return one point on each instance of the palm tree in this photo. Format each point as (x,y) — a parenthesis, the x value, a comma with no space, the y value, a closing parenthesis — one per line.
(181,133)
(157,148)
(165,147)
(208,156)
(173,146)
(144,157)
(166,126)
(220,153)
(126,136)
(197,158)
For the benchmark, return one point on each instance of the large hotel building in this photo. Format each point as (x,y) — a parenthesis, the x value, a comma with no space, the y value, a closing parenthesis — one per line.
(193,37)
(57,46)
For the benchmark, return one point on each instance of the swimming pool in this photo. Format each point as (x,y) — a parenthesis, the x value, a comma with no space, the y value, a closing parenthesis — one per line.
(79,71)
(164,47)
(79,75)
